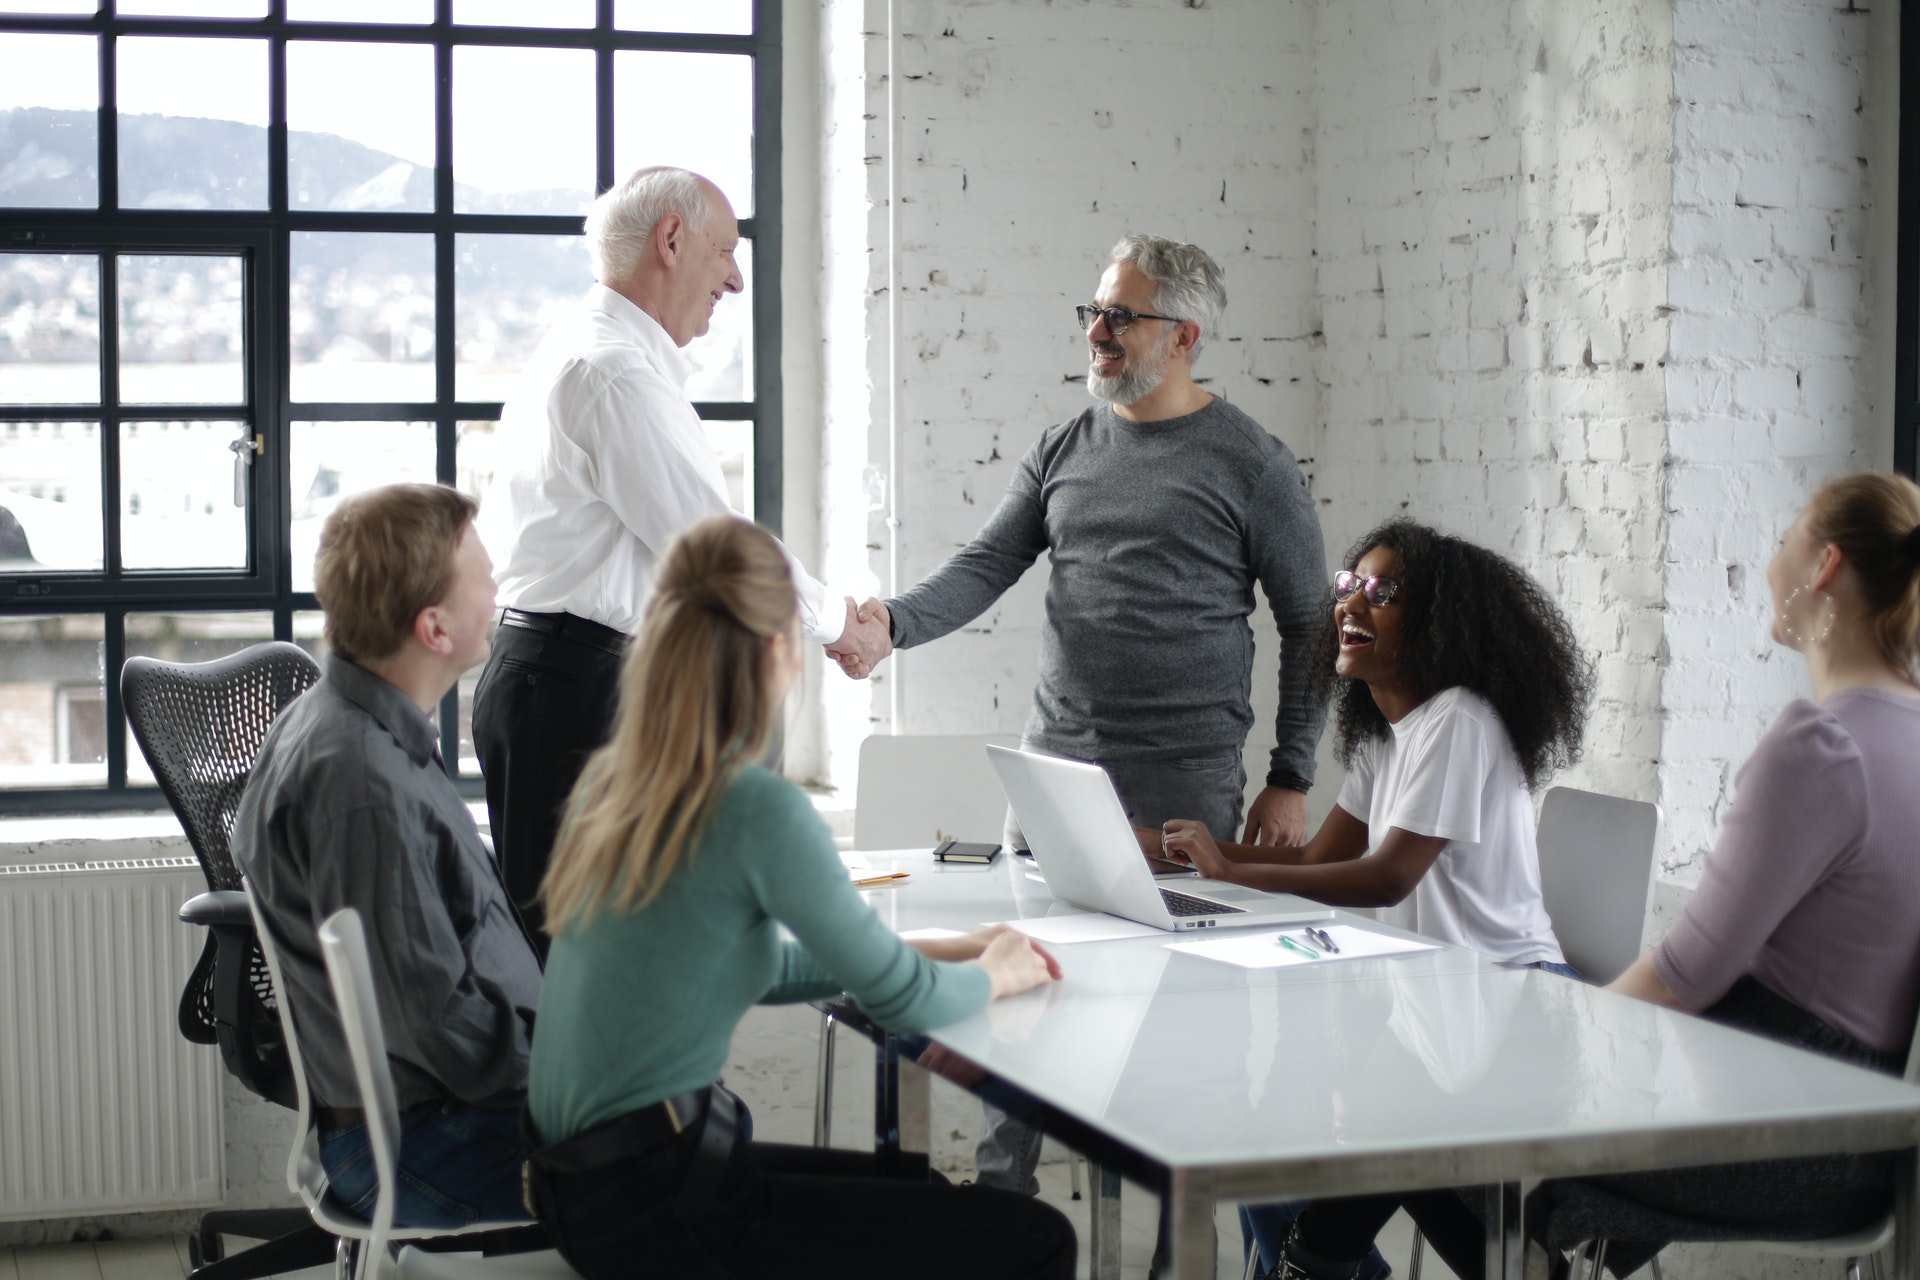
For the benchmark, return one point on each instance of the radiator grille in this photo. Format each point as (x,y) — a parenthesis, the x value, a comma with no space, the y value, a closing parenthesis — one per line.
(103,1106)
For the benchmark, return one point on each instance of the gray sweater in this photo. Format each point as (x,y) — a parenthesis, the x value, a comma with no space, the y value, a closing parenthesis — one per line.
(1156,533)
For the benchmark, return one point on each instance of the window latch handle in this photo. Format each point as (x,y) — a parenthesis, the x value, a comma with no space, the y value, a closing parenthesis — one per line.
(243,451)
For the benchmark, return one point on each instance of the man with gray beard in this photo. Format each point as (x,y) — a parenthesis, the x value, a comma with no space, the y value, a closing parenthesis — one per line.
(1159,506)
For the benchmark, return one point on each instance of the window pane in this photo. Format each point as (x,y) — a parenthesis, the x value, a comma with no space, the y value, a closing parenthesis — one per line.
(191,8)
(176,496)
(180,330)
(333,459)
(362,316)
(368,149)
(523,128)
(733,444)
(518,13)
(507,291)
(694,110)
(193,123)
(50,497)
(49,328)
(714,17)
(723,359)
(50,6)
(385,11)
(53,702)
(49,121)
(187,637)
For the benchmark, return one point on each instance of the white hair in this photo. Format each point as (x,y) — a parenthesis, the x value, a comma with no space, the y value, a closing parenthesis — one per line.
(622,220)
(1188,285)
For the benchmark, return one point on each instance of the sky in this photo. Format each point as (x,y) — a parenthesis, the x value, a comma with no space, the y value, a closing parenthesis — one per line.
(523,118)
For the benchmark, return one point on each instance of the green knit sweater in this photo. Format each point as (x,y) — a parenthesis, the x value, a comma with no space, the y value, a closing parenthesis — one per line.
(642,1006)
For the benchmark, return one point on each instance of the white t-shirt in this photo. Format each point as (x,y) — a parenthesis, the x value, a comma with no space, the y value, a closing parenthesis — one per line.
(1448,770)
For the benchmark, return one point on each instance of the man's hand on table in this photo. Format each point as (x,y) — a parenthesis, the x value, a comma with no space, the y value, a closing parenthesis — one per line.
(866,641)
(1278,817)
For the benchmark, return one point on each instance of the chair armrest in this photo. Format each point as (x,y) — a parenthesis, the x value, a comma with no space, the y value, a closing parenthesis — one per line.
(220,907)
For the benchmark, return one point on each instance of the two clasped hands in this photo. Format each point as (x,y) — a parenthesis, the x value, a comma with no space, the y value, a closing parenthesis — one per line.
(866,641)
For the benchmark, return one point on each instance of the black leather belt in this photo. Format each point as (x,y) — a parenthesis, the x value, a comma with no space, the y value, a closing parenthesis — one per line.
(616,1139)
(595,635)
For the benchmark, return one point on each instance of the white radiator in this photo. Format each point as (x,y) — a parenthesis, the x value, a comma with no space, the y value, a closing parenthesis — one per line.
(103,1106)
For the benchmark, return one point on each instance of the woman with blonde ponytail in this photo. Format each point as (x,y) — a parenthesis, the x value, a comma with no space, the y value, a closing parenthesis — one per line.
(678,861)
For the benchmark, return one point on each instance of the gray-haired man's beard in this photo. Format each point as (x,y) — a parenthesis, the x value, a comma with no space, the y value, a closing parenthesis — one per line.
(1138,379)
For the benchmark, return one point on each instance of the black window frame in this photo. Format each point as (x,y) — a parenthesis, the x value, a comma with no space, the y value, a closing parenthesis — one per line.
(263,238)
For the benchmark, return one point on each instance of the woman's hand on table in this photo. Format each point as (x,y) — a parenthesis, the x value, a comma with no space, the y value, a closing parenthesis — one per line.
(1184,840)
(1015,963)
(972,946)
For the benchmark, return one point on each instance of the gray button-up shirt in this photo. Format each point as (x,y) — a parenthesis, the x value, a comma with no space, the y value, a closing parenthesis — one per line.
(349,806)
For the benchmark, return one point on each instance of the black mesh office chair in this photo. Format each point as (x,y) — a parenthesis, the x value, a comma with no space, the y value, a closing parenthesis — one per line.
(200,726)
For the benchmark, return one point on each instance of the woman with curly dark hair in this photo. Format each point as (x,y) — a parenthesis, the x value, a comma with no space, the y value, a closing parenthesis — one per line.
(1459,687)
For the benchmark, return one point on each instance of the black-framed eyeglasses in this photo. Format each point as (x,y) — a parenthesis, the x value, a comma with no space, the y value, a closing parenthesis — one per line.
(1118,318)
(1378,589)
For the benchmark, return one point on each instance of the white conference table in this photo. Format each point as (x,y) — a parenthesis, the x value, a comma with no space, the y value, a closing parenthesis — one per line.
(1208,1082)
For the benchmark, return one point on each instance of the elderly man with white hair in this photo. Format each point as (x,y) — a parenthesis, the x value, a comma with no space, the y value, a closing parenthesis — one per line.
(602,462)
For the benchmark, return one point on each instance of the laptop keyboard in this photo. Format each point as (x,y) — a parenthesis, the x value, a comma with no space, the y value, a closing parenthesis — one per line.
(1184,904)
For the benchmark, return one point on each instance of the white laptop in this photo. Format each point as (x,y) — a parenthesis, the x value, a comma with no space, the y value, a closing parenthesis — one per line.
(1085,847)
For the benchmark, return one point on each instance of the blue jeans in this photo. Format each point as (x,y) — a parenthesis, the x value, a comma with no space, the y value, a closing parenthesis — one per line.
(459,1164)
(1265,1226)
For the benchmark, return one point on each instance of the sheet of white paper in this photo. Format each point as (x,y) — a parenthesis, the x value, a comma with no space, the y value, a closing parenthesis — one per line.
(936,933)
(1261,949)
(1095,926)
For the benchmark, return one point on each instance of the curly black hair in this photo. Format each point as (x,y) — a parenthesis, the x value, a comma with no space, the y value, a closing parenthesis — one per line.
(1476,620)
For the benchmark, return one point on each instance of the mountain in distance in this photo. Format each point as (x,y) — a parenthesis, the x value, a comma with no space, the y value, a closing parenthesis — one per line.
(50,159)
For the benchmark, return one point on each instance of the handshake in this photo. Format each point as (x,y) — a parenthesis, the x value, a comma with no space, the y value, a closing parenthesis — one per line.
(868,638)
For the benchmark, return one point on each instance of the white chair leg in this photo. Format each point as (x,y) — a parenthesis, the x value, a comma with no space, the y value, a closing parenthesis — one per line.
(1418,1257)
(1253,1262)
(823,1084)
(1599,1257)
(1074,1161)
(1853,1269)
(1654,1262)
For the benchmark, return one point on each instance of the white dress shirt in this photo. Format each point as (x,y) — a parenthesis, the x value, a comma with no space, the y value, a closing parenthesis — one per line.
(601,461)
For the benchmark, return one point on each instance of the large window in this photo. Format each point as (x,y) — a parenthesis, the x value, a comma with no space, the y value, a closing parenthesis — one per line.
(256,255)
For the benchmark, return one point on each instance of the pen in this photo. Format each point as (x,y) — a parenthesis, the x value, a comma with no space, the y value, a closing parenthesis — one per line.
(1291,945)
(1325,940)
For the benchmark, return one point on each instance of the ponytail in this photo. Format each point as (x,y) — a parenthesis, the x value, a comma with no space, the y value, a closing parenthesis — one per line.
(1874,518)
(694,706)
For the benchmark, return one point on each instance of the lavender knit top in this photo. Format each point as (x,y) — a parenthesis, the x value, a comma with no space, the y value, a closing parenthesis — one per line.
(1814,885)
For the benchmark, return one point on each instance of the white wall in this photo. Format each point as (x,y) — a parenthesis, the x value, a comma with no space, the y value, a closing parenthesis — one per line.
(1490,239)
(1778,377)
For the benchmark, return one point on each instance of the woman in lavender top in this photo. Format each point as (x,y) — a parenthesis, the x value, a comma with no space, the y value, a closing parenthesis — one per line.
(1806,925)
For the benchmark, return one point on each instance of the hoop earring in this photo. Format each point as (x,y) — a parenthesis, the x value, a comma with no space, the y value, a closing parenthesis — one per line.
(1794,638)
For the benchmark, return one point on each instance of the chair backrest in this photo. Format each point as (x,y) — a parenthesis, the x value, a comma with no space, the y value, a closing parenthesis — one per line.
(917,790)
(1596,873)
(343,944)
(200,726)
(304,1175)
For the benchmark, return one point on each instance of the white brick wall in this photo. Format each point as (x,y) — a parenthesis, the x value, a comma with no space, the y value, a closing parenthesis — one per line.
(1492,190)
(1775,378)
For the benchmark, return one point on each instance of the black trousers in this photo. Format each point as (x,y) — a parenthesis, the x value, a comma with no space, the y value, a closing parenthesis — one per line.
(795,1213)
(543,704)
